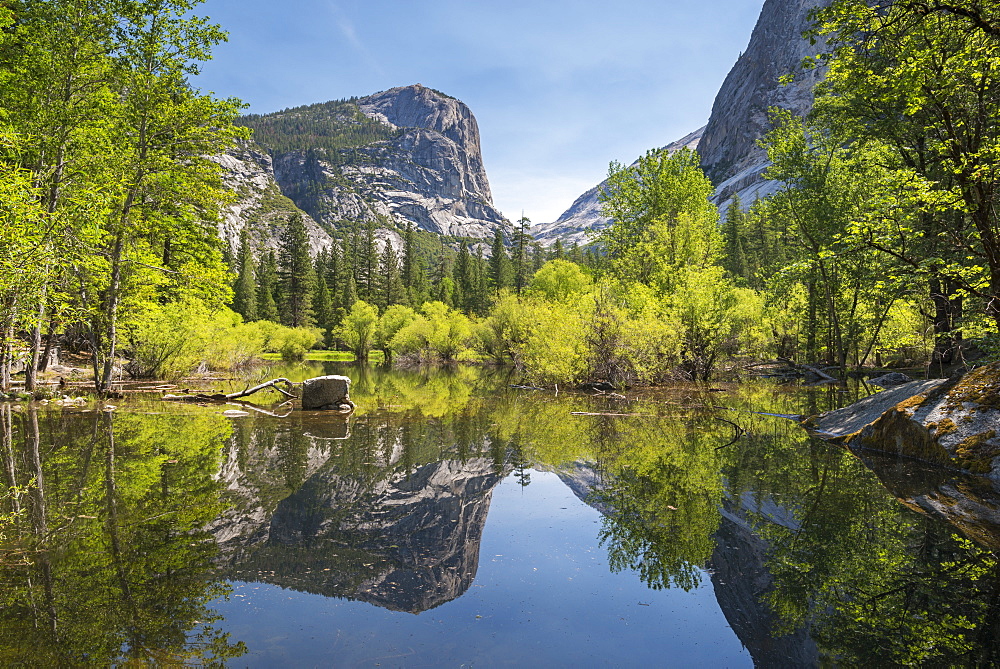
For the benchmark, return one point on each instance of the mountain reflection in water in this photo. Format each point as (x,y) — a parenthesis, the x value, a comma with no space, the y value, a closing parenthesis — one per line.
(125,529)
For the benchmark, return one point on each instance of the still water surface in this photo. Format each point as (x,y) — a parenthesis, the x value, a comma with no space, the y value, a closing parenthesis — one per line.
(455,521)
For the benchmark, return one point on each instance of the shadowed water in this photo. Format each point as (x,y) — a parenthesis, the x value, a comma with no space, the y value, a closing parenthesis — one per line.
(454,520)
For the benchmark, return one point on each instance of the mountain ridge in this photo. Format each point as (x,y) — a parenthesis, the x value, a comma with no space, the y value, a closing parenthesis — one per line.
(407,155)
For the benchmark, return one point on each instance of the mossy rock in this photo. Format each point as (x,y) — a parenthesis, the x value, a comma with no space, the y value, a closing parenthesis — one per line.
(952,423)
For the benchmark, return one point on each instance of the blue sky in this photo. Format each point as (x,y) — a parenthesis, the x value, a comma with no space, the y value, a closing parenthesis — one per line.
(559,87)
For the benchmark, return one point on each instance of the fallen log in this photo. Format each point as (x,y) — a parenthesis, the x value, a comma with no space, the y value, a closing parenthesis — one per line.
(220,397)
(819,372)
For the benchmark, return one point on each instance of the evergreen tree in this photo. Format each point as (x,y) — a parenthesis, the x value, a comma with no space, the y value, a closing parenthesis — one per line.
(537,257)
(391,290)
(500,269)
(734,258)
(521,254)
(417,290)
(267,285)
(443,288)
(481,280)
(245,290)
(557,251)
(349,294)
(366,270)
(323,307)
(298,280)
(464,279)
(409,256)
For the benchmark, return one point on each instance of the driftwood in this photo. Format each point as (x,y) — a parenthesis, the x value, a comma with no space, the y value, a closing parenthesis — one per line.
(797,368)
(630,415)
(819,372)
(219,397)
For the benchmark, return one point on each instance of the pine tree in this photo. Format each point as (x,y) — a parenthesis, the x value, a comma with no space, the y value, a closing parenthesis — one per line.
(557,251)
(463,277)
(391,290)
(349,294)
(443,283)
(409,256)
(366,270)
(521,254)
(323,307)
(245,289)
(500,269)
(334,272)
(482,284)
(298,280)
(734,242)
(537,257)
(267,285)
(417,290)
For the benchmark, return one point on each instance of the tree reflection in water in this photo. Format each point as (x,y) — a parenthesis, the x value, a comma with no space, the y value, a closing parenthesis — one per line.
(106,560)
(121,526)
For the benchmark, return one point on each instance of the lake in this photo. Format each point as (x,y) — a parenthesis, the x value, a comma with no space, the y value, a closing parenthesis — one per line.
(454,520)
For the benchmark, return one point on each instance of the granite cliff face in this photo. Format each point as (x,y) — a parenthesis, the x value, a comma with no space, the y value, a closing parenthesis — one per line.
(729,151)
(728,144)
(303,514)
(259,204)
(406,155)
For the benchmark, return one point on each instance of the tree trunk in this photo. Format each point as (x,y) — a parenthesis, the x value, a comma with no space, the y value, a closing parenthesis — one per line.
(6,355)
(31,370)
(111,314)
(947,312)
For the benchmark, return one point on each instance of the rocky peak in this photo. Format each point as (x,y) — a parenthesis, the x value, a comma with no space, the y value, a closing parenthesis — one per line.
(417,106)
(729,151)
(728,144)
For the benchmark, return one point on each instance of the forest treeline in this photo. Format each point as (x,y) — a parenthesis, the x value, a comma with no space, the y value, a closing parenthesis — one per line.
(880,247)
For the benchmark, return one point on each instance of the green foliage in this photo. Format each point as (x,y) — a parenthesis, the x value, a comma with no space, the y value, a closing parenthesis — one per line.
(663,220)
(173,340)
(392,320)
(295,270)
(119,144)
(559,281)
(357,330)
(438,332)
(136,562)
(245,289)
(328,130)
(716,319)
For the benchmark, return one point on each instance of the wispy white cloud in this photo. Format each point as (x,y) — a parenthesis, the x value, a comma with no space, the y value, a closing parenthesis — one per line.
(350,35)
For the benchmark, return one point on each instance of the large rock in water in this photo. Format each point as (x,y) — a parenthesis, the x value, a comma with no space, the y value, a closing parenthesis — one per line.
(327,392)
(954,423)
(948,431)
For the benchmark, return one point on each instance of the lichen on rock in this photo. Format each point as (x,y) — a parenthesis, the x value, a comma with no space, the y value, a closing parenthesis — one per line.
(953,423)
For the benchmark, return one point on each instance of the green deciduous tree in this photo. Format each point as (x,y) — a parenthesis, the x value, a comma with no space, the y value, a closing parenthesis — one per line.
(357,330)
(923,79)
(663,221)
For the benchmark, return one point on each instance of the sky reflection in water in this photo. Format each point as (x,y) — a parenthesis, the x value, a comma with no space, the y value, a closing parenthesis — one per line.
(543,596)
